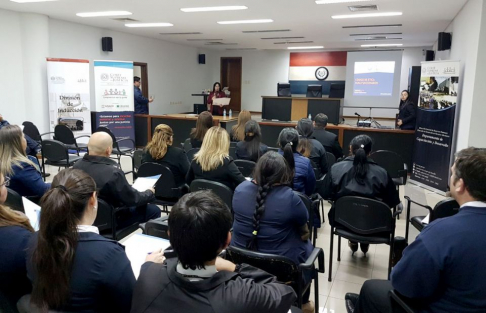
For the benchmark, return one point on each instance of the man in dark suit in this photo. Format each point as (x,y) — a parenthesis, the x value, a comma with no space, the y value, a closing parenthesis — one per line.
(327,139)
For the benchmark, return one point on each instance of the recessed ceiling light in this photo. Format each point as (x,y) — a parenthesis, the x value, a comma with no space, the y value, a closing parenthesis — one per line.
(213,9)
(246,22)
(105,13)
(367,15)
(29,1)
(383,45)
(149,25)
(338,1)
(302,48)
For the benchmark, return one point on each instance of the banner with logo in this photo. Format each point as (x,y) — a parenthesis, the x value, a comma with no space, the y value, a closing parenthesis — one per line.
(435,125)
(69,98)
(120,124)
(114,86)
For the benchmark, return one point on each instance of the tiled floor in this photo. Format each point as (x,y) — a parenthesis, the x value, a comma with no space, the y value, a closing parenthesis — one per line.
(351,272)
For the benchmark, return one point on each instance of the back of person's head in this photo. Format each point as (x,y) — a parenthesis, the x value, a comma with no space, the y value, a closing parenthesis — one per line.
(162,138)
(12,149)
(136,79)
(239,129)
(63,207)
(214,148)
(203,123)
(305,128)
(199,228)
(271,170)
(10,217)
(361,147)
(253,139)
(100,144)
(321,120)
(469,174)
(288,140)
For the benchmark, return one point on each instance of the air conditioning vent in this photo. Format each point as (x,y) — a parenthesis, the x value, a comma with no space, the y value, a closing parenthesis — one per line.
(270,38)
(229,49)
(265,31)
(361,8)
(204,39)
(286,42)
(188,33)
(378,38)
(368,26)
(124,19)
(374,34)
(218,43)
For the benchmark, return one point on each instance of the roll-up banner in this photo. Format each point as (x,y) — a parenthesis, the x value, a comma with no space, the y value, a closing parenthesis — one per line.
(435,125)
(114,98)
(69,98)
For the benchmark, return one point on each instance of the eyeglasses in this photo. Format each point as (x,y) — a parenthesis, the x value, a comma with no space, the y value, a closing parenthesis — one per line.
(6,182)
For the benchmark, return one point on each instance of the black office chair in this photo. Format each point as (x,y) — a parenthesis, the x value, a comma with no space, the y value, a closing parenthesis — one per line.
(158,227)
(233,144)
(190,154)
(25,306)
(118,150)
(283,268)
(246,167)
(33,132)
(221,190)
(363,220)
(137,161)
(331,160)
(401,304)
(444,208)
(272,149)
(65,135)
(56,153)
(14,201)
(283,90)
(187,145)
(106,221)
(314,91)
(310,205)
(232,153)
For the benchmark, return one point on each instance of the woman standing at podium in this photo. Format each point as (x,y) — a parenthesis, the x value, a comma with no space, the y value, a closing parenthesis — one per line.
(215,94)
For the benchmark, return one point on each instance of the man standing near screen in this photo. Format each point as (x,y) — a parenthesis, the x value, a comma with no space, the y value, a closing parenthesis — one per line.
(141,103)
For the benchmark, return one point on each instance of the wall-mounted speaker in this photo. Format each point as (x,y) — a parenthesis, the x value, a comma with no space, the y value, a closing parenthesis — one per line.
(429,55)
(107,44)
(445,41)
(202,59)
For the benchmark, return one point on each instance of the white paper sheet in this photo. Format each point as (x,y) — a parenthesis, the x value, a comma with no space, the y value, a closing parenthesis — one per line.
(426,219)
(32,211)
(144,183)
(138,246)
(221,101)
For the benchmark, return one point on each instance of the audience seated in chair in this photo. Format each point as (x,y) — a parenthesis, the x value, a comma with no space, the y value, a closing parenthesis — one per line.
(269,217)
(358,175)
(200,281)
(327,139)
(443,268)
(24,176)
(213,162)
(203,123)
(251,147)
(304,176)
(71,266)
(237,132)
(15,233)
(161,151)
(112,185)
(32,148)
(311,148)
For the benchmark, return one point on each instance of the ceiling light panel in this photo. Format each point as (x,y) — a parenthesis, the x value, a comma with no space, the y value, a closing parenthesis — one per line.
(246,22)
(375,34)
(364,15)
(339,1)
(289,42)
(184,33)
(305,48)
(215,9)
(204,39)
(274,38)
(31,1)
(136,25)
(372,26)
(104,13)
(383,45)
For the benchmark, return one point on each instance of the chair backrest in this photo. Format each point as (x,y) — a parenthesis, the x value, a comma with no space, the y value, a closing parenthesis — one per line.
(187,144)
(221,190)
(190,154)
(308,205)
(164,187)
(246,167)
(444,208)
(65,135)
(272,149)
(157,228)
(14,200)
(331,160)
(280,266)
(392,162)
(54,150)
(363,216)
(233,144)
(232,153)
(137,158)
(32,131)
(104,216)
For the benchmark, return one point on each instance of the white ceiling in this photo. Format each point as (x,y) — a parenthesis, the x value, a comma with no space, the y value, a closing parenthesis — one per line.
(421,19)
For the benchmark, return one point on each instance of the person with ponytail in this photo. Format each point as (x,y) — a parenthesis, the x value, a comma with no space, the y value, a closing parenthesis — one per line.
(161,151)
(269,216)
(251,148)
(358,175)
(15,233)
(304,177)
(311,148)
(71,266)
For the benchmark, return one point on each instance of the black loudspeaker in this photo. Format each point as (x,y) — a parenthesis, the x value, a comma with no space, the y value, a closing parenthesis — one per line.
(107,44)
(429,55)
(202,59)
(445,41)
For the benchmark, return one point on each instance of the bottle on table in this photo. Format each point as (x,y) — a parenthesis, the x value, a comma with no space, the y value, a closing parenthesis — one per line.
(230,113)
(224,113)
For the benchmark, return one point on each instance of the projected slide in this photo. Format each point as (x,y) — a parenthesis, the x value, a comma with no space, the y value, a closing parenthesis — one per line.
(373,78)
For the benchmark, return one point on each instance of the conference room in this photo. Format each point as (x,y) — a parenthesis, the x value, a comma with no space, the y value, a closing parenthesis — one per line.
(314,155)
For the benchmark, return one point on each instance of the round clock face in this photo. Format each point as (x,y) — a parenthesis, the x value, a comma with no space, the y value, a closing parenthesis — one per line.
(322,73)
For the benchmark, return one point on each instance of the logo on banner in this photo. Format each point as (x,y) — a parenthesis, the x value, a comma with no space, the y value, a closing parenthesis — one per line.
(105,77)
(57,80)
(322,73)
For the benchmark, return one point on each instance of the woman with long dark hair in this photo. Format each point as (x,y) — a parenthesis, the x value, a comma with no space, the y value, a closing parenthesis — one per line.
(251,148)
(358,175)
(269,217)
(311,148)
(407,115)
(203,123)
(215,94)
(304,176)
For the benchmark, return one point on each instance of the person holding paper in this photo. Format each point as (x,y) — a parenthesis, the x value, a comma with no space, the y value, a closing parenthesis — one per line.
(215,94)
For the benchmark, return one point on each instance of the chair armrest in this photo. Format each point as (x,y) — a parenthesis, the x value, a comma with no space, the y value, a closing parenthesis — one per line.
(419,204)
(125,139)
(399,210)
(395,297)
(317,254)
(142,227)
(46,134)
(82,136)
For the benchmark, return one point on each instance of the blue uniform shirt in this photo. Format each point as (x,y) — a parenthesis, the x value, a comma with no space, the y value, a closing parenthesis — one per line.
(141,103)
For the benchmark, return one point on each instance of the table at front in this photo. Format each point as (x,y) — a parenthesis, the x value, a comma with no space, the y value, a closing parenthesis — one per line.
(181,125)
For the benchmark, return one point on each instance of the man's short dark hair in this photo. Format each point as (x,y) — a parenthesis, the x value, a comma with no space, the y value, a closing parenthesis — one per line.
(199,224)
(321,120)
(470,165)
(136,79)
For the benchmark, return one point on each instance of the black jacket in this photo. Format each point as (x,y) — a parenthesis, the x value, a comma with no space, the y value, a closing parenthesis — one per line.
(242,152)
(160,288)
(196,143)
(111,183)
(227,174)
(329,141)
(319,158)
(408,114)
(175,159)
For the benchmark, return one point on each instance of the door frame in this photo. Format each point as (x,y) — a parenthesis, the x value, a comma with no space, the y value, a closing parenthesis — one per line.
(144,68)
(241,74)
